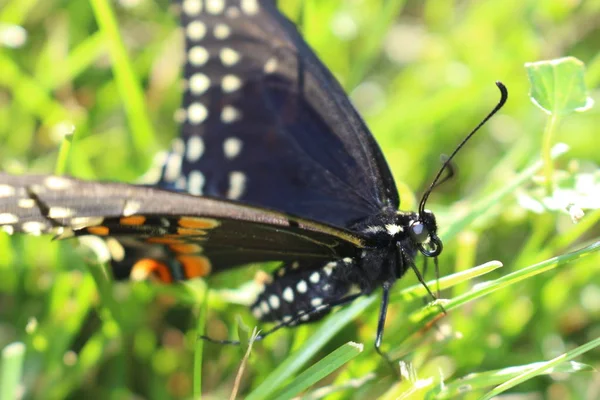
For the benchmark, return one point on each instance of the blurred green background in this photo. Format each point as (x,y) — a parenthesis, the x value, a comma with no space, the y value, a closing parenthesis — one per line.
(422,74)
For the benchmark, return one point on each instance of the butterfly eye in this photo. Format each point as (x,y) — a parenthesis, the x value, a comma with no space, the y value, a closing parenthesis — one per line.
(419,232)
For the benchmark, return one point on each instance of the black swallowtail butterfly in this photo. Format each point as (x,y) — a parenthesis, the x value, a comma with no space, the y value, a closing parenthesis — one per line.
(277,164)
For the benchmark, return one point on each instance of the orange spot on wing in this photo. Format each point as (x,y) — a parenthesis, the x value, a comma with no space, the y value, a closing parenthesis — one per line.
(147,267)
(190,232)
(194,266)
(163,240)
(133,220)
(199,223)
(186,248)
(98,230)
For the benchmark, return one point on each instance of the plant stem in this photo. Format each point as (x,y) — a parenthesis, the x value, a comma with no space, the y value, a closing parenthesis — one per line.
(546,147)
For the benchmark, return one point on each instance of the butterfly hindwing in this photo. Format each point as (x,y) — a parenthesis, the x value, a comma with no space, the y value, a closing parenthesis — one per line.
(264,122)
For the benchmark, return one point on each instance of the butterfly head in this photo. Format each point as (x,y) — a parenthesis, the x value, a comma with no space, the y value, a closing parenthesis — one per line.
(423,232)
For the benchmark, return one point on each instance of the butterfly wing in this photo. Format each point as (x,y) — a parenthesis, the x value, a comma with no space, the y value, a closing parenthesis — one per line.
(266,123)
(201,233)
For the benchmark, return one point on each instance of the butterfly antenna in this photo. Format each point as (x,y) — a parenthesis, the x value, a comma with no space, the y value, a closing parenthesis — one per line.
(447,162)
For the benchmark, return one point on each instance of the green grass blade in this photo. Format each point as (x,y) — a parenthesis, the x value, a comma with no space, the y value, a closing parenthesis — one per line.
(199,345)
(542,368)
(13,356)
(428,314)
(478,381)
(129,86)
(321,336)
(419,291)
(321,369)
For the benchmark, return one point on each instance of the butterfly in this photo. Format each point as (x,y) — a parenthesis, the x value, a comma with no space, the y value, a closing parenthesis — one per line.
(273,163)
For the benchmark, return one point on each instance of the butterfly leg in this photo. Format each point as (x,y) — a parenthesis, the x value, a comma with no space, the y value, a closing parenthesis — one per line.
(385,300)
(297,319)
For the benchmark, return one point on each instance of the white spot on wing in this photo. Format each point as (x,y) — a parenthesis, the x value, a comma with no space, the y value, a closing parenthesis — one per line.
(8,229)
(199,83)
(256,311)
(57,183)
(270,65)
(195,148)
(230,114)
(196,30)
(131,207)
(230,83)
(316,302)
(232,147)
(222,31)
(314,277)
(197,113)
(7,191)
(229,56)
(7,218)
(264,307)
(192,7)
(237,185)
(195,183)
(173,167)
(26,203)
(274,302)
(33,227)
(83,222)
(215,6)
(288,294)
(302,287)
(60,212)
(198,56)
(250,7)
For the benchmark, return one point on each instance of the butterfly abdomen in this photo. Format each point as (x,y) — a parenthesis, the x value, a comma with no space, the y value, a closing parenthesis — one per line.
(301,293)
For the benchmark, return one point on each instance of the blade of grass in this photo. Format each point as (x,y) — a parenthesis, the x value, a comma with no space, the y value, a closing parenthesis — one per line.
(13,356)
(129,86)
(321,369)
(542,368)
(199,345)
(240,373)
(321,336)
(483,380)
(418,291)
(428,314)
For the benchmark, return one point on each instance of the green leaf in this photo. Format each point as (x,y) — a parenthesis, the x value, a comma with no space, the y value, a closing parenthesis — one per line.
(321,369)
(479,381)
(558,86)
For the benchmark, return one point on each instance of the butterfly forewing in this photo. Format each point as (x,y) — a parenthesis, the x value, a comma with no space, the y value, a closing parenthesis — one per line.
(264,122)
(228,234)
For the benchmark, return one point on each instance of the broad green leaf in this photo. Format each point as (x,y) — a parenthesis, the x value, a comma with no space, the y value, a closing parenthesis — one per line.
(558,86)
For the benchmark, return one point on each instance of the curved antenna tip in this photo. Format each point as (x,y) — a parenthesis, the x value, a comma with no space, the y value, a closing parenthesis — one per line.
(503,93)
